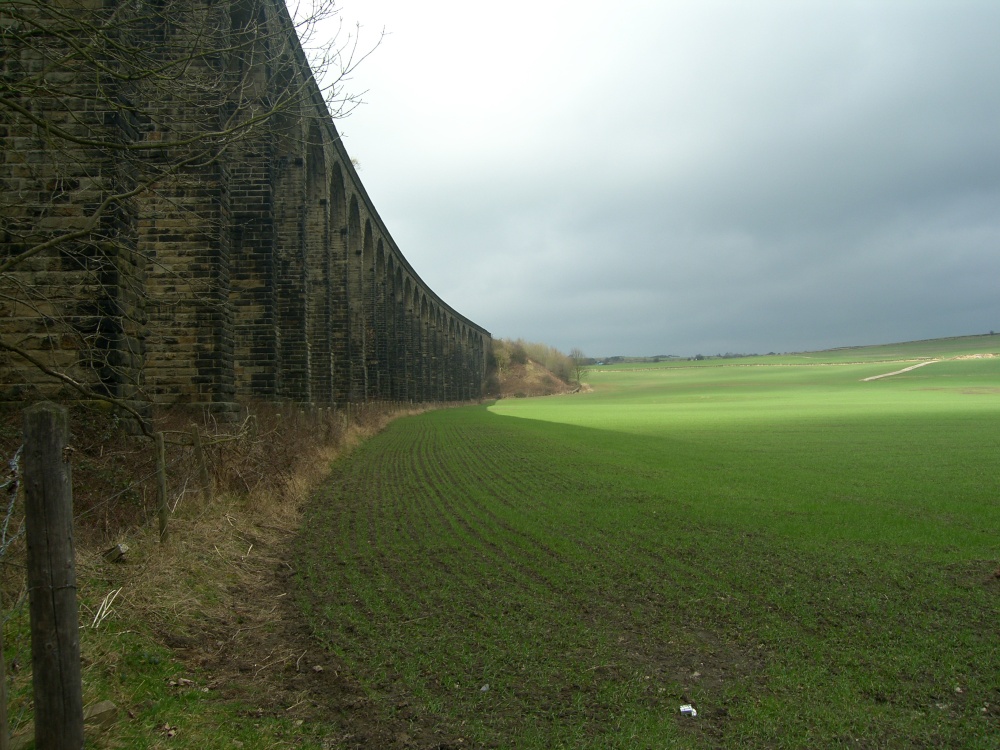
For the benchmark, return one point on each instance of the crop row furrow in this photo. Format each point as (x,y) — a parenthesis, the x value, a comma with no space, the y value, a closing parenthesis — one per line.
(518,486)
(615,579)
(356,544)
(447,498)
(480,569)
(558,579)
(412,523)
(485,472)
(477,475)
(397,531)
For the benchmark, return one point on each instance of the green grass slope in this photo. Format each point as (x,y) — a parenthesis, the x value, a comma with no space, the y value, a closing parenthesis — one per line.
(806,557)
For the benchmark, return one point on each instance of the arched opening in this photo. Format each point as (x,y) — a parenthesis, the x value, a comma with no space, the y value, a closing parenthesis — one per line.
(409,332)
(317,271)
(423,334)
(251,226)
(340,360)
(288,175)
(368,312)
(355,303)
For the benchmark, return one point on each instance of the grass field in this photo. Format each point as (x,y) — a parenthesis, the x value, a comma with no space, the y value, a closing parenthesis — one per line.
(807,558)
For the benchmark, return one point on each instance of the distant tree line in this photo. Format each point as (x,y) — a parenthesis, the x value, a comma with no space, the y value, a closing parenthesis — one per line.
(619,359)
(727,355)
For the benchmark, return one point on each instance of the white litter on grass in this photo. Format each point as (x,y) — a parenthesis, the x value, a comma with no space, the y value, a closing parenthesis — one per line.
(688,710)
(484,688)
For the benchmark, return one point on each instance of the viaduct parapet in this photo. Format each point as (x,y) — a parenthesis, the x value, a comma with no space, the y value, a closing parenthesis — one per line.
(180,222)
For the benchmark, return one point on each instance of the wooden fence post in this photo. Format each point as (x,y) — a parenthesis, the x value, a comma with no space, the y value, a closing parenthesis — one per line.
(4,728)
(161,486)
(199,457)
(55,636)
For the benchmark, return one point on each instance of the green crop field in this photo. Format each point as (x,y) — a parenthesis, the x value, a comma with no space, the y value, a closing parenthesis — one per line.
(807,558)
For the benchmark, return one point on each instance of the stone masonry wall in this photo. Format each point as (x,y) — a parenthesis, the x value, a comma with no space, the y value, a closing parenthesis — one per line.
(202,242)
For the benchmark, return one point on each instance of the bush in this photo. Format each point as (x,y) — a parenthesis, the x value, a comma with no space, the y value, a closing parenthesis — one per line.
(518,354)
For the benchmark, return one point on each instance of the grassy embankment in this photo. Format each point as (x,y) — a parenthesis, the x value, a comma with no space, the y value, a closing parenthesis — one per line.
(192,640)
(807,558)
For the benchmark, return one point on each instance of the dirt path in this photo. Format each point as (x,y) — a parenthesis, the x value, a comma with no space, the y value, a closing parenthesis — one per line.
(898,372)
(262,652)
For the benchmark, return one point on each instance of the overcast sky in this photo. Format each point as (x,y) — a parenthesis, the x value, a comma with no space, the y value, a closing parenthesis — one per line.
(693,176)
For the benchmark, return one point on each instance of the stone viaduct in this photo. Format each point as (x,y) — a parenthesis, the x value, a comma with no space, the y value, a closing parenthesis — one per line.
(201,243)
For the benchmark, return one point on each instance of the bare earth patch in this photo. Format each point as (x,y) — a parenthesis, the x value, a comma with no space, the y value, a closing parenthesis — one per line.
(246,640)
(900,372)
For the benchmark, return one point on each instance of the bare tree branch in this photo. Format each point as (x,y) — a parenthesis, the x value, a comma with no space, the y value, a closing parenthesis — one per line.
(111,114)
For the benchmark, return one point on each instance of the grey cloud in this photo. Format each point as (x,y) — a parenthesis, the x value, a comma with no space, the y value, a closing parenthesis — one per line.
(698,176)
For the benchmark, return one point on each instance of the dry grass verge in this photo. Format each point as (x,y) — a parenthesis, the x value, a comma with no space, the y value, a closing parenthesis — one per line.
(196,640)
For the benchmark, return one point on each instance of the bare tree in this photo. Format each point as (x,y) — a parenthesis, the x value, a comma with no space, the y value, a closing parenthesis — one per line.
(112,116)
(580,364)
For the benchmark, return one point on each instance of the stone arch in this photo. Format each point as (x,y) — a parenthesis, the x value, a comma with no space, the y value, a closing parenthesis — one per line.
(423,322)
(289,185)
(437,347)
(434,345)
(249,45)
(184,336)
(467,364)
(479,347)
(318,271)
(338,292)
(250,202)
(389,326)
(354,303)
(368,310)
(274,277)
(457,361)
(451,352)
(399,337)
(410,325)
(380,340)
